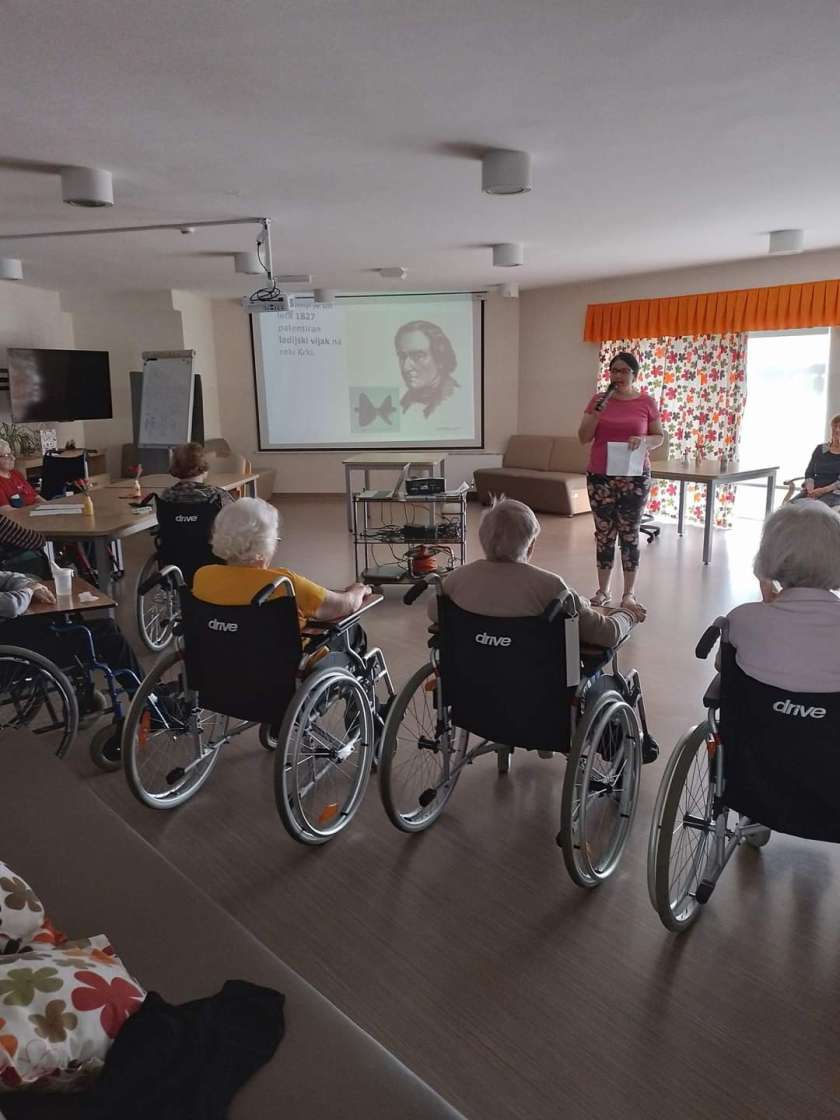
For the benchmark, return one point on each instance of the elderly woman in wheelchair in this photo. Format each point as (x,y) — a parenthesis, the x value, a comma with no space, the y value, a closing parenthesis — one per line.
(262,646)
(506,667)
(766,755)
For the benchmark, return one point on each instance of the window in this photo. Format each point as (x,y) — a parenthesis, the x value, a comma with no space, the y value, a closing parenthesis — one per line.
(785,414)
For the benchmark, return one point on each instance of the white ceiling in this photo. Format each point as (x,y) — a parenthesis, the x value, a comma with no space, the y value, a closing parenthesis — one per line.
(664,133)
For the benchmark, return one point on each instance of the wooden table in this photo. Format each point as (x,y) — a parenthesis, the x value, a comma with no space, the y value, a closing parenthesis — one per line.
(384,461)
(112,519)
(71,602)
(708,473)
(156,483)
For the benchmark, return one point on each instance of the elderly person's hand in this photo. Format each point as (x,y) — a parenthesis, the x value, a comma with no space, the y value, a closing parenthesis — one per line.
(638,612)
(42,594)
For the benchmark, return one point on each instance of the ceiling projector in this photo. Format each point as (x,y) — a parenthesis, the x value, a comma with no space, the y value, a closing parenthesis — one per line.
(278,302)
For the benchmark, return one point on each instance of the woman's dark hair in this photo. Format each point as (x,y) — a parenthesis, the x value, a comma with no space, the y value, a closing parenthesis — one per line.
(629,360)
(188,461)
(439,344)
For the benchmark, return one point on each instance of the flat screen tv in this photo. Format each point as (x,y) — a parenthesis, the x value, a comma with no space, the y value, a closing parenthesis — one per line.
(57,385)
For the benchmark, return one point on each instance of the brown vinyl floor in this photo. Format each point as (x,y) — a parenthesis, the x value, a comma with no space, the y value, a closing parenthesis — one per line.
(467,950)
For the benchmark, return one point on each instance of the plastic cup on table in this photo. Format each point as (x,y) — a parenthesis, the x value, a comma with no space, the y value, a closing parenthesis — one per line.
(63,582)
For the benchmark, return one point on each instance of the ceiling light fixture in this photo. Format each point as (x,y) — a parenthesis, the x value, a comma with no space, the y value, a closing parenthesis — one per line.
(786,241)
(396,273)
(509,291)
(87,186)
(10,268)
(508,254)
(506,172)
(325,296)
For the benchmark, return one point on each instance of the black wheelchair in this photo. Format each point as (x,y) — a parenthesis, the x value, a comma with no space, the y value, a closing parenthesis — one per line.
(36,696)
(520,682)
(182,539)
(764,759)
(314,697)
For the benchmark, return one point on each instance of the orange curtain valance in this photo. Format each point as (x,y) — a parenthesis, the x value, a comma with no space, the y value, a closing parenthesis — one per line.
(784,307)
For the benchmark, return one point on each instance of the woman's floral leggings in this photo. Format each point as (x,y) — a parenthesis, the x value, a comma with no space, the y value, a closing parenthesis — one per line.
(617,506)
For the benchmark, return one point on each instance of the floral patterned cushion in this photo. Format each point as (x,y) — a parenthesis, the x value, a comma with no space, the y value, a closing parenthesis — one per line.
(60,1009)
(21,912)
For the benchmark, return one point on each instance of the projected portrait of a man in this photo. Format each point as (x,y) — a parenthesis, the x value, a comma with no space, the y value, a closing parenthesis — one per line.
(427,362)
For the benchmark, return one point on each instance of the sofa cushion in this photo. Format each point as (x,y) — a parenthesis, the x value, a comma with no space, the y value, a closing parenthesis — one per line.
(544,491)
(528,452)
(568,454)
(21,911)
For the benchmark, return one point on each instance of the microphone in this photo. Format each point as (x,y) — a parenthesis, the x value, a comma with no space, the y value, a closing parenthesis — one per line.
(611,388)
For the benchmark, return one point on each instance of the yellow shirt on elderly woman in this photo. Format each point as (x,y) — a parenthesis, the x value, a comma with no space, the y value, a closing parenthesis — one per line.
(232,585)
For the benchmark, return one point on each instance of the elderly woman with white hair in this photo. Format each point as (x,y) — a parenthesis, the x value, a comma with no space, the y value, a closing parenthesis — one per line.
(791,639)
(507,585)
(245,535)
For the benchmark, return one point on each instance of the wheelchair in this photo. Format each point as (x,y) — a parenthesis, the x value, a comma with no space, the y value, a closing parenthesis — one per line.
(36,696)
(76,676)
(182,539)
(756,764)
(233,668)
(520,682)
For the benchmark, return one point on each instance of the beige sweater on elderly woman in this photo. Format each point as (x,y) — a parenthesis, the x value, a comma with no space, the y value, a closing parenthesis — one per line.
(503,589)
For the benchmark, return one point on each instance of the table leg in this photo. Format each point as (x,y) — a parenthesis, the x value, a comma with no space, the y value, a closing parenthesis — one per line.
(348,496)
(102,558)
(681,511)
(251,488)
(771,493)
(710,517)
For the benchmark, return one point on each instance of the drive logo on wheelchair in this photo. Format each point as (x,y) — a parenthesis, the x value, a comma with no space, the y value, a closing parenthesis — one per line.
(225,627)
(492,640)
(788,708)
(186,517)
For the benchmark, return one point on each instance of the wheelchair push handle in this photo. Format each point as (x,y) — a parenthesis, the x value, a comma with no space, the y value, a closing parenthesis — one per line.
(265,593)
(160,577)
(709,639)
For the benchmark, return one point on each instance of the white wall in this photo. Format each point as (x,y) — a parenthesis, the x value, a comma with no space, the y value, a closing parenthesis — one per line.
(34,317)
(125,325)
(197,325)
(557,368)
(322,472)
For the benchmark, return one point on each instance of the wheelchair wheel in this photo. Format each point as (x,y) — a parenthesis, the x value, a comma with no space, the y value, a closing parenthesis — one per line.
(681,831)
(155,611)
(36,695)
(325,750)
(105,752)
(415,757)
(600,789)
(169,744)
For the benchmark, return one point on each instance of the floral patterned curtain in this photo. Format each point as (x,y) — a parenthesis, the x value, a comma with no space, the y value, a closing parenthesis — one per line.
(699,383)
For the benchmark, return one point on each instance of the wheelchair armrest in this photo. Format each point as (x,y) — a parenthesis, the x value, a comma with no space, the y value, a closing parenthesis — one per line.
(710,638)
(171,570)
(711,697)
(337,625)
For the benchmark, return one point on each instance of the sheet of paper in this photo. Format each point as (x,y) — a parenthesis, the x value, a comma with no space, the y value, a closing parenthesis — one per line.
(621,460)
(49,511)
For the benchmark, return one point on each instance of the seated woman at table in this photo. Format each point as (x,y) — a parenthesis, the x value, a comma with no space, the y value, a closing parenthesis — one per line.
(189,465)
(35,632)
(245,535)
(822,475)
(22,550)
(14,488)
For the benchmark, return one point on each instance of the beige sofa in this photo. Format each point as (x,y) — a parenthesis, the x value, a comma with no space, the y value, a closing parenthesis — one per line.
(546,472)
(95,875)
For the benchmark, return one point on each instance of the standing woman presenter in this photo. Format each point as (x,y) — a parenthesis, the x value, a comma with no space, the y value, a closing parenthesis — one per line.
(621,415)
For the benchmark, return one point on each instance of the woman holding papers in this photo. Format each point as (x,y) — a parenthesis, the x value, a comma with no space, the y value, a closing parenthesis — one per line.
(622,424)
